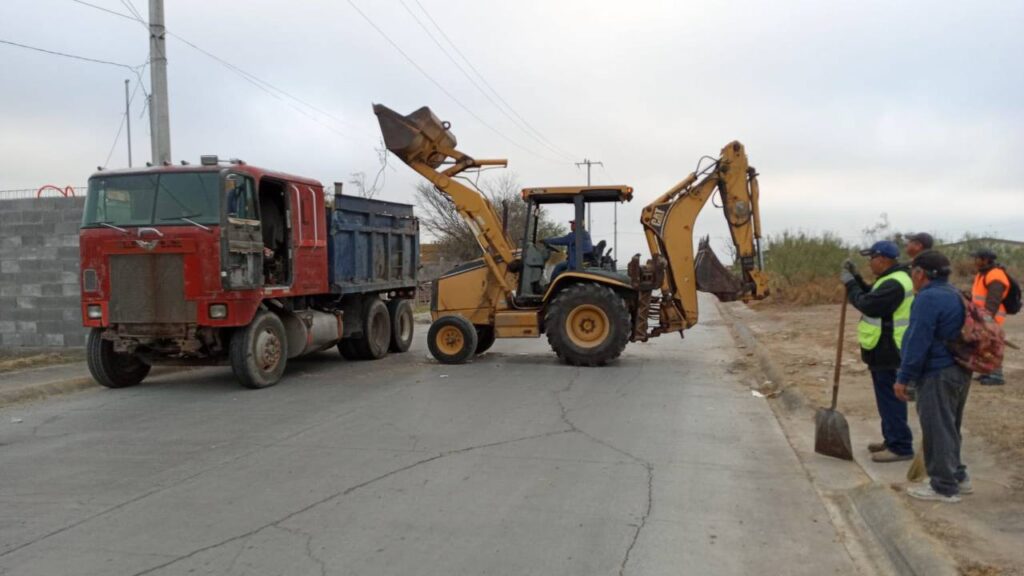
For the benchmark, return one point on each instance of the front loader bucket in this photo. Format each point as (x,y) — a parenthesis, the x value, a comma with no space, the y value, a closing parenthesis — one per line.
(420,136)
(712,276)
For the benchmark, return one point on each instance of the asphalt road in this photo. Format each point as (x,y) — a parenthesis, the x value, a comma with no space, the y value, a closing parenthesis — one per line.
(661,464)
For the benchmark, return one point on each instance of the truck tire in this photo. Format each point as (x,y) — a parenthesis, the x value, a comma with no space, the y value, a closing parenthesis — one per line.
(110,368)
(402,324)
(347,348)
(452,340)
(587,325)
(484,338)
(259,351)
(376,331)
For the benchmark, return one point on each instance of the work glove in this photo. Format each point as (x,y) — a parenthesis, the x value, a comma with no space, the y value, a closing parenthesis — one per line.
(849,266)
(846,277)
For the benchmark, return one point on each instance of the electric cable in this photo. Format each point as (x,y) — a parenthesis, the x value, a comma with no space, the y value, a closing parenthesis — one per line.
(66,55)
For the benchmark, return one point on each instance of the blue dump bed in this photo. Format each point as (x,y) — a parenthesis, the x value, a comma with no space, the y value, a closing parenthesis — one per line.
(374,246)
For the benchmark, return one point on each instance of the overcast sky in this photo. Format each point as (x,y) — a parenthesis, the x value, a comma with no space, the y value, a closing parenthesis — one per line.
(847,109)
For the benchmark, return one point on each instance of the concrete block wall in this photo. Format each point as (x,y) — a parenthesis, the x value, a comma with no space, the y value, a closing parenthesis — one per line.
(39,286)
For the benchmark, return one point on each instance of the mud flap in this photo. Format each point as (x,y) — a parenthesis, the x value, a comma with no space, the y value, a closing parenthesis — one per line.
(713,276)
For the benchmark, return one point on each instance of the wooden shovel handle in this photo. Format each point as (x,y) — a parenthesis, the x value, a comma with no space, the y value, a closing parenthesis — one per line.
(839,349)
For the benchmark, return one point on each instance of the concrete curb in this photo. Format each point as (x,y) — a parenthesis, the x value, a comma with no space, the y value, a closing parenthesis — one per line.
(46,389)
(422,318)
(41,390)
(873,509)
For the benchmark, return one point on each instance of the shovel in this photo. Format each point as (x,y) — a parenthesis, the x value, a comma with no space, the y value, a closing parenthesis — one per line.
(831,432)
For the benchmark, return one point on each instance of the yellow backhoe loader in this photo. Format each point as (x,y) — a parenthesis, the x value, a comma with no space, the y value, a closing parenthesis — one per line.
(590,311)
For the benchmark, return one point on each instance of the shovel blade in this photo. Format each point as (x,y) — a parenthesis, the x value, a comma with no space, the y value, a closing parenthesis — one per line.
(832,434)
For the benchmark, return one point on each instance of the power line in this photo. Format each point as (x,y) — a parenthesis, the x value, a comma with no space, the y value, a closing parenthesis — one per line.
(488,84)
(477,84)
(107,10)
(442,88)
(120,127)
(73,56)
(131,8)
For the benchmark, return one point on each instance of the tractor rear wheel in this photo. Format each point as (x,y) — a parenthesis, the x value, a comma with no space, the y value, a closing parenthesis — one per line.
(587,325)
(484,338)
(452,340)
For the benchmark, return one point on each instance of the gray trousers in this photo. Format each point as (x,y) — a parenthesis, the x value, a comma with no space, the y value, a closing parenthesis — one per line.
(941,397)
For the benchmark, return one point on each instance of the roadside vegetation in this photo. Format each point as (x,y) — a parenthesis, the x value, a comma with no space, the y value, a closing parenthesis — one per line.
(803,268)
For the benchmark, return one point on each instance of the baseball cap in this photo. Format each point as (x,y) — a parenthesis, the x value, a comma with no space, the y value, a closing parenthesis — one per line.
(986,253)
(882,248)
(924,238)
(934,263)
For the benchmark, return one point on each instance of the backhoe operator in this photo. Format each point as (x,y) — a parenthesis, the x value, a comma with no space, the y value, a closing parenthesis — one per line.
(569,240)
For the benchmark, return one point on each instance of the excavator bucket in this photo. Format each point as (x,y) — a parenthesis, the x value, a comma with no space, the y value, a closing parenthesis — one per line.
(712,276)
(419,136)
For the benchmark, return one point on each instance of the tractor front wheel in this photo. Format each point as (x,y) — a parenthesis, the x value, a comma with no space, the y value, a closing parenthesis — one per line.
(587,325)
(452,340)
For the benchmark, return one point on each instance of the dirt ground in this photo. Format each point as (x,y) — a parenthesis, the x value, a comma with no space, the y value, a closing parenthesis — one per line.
(982,529)
(11,360)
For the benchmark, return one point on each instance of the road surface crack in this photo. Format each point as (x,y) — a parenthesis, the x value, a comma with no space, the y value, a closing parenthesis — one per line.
(647,466)
(341,494)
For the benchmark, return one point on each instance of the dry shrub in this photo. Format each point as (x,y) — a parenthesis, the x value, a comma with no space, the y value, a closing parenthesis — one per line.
(804,269)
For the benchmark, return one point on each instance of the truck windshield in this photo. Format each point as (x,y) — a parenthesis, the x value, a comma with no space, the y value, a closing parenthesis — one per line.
(153,199)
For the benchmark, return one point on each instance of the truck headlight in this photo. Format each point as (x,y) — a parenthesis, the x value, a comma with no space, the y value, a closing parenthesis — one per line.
(94,312)
(218,311)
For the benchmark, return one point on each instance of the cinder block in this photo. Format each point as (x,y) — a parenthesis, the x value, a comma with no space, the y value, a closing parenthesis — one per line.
(51,290)
(40,253)
(53,339)
(67,253)
(49,314)
(76,338)
(68,227)
(11,340)
(71,289)
(8,290)
(69,240)
(72,315)
(26,302)
(8,327)
(69,277)
(10,267)
(31,217)
(31,290)
(27,327)
(29,339)
(33,239)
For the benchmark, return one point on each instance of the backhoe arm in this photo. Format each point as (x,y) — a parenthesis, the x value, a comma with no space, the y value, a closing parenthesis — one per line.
(668,224)
(423,142)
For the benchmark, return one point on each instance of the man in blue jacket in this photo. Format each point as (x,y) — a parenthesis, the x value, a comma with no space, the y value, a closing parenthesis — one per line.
(940,384)
(569,241)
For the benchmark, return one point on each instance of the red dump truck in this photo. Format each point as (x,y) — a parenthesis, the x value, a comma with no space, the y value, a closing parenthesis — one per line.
(227,263)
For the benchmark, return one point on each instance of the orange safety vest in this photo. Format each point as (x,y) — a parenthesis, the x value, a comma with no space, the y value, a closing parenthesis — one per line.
(979,292)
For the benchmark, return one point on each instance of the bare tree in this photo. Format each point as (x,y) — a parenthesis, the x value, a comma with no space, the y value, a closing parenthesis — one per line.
(358,179)
(440,217)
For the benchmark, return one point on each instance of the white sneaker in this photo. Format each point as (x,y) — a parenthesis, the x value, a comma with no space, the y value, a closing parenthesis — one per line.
(925,492)
(966,487)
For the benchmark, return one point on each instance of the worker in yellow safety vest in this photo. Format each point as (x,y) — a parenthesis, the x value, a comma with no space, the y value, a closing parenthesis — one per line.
(991,285)
(885,309)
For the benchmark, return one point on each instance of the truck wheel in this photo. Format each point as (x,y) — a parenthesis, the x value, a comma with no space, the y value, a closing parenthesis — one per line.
(452,340)
(259,351)
(402,323)
(376,331)
(587,325)
(347,348)
(110,368)
(484,338)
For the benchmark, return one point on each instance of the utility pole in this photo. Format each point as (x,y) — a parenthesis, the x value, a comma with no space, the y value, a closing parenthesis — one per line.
(128,120)
(159,115)
(588,163)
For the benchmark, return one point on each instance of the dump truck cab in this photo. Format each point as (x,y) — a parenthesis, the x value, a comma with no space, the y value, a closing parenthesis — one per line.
(224,262)
(533,286)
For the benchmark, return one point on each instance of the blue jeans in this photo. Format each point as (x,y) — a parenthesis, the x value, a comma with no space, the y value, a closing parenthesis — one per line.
(893,411)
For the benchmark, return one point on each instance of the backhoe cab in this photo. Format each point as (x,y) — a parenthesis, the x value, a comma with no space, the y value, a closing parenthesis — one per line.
(590,311)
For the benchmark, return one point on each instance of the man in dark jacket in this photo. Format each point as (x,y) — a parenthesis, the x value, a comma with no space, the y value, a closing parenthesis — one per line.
(885,309)
(919,242)
(939,383)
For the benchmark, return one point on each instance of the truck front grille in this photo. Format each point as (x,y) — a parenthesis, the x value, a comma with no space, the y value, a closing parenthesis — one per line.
(149,288)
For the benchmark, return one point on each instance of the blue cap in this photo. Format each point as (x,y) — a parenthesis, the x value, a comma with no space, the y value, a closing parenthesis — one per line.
(882,248)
